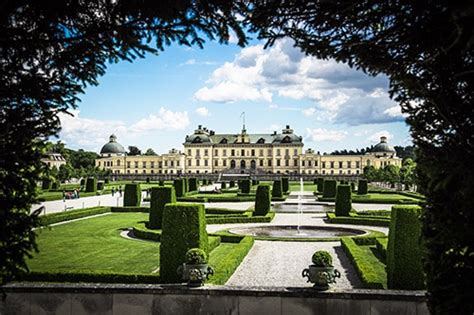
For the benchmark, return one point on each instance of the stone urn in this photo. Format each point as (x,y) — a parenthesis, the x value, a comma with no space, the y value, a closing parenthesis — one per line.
(321,272)
(195,271)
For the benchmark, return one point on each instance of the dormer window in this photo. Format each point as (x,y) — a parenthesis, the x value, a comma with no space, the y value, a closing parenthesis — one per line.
(261,140)
(197,140)
(286,140)
(223,141)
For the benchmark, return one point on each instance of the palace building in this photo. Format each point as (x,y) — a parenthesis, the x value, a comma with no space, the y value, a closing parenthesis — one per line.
(276,153)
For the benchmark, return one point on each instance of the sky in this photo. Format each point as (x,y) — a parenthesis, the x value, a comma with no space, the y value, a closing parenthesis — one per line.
(156,101)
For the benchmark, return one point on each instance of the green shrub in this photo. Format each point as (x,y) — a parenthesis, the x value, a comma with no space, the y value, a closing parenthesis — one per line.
(130,209)
(321,258)
(148,180)
(285,185)
(369,269)
(381,245)
(320,183)
(106,180)
(161,183)
(183,228)
(132,195)
(48,219)
(160,196)
(196,256)
(83,181)
(362,187)
(358,220)
(241,219)
(329,188)
(179,187)
(185,185)
(193,184)
(404,249)
(231,184)
(353,186)
(245,186)
(92,276)
(277,189)
(254,182)
(343,200)
(223,185)
(91,184)
(100,185)
(262,200)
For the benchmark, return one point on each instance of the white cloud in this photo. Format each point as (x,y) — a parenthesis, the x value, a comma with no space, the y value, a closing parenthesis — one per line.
(342,94)
(91,134)
(375,138)
(202,111)
(309,111)
(320,134)
(192,62)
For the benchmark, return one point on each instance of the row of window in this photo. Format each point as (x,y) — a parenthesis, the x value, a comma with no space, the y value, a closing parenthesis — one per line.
(152,164)
(242,152)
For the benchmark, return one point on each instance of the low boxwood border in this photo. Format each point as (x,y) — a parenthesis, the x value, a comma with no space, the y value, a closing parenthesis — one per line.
(241,219)
(48,219)
(358,220)
(130,209)
(89,276)
(364,265)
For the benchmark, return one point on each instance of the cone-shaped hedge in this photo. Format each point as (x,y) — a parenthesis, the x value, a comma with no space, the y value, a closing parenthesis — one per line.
(100,185)
(285,184)
(353,186)
(193,185)
(329,188)
(132,195)
(223,185)
(185,185)
(160,196)
(179,187)
(161,183)
(262,200)
(231,184)
(55,185)
(320,183)
(91,184)
(183,228)
(83,181)
(254,182)
(343,200)
(245,186)
(362,187)
(405,250)
(276,189)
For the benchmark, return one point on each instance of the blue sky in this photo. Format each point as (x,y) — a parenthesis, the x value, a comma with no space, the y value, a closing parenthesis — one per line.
(154,102)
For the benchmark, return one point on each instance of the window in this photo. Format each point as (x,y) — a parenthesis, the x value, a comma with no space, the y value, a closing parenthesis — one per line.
(136,171)
(278,162)
(224,152)
(278,152)
(269,153)
(340,171)
(302,163)
(348,164)
(357,172)
(197,153)
(349,172)
(171,163)
(287,151)
(160,164)
(340,164)
(242,152)
(287,162)
(295,152)
(295,162)
(98,163)
(189,152)
(152,164)
(309,163)
(216,153)
(357,164)
(177,163)
(144,164)
(324,165)
(332,164)
(215,163)
(316,163)
(224,162)
(144,172)
(332,172)
(197,162)
(261,162)
(232,152)
(152,171)
(136,164)
(118,163)
(206,152)
(269,162)
(189,162)
(260,152)
(253,152)
(205,163)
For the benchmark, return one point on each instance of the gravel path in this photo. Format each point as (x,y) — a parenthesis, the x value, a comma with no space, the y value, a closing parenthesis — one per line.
(274,263)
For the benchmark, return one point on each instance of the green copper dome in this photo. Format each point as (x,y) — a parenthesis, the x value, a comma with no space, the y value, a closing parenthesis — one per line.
(112,147)
(383,146)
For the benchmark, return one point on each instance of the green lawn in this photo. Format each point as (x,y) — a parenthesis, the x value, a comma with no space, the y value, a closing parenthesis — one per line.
(389,198)
(58,195)
(95,245)
(307,186)
(378,267)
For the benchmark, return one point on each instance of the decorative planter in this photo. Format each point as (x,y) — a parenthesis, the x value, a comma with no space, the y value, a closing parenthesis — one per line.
(195,275)
(322,277)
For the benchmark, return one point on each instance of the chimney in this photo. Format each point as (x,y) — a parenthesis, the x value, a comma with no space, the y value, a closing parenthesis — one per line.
(383,139)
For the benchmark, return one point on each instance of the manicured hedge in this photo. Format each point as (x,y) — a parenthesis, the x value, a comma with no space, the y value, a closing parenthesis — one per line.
(285,185)
(84,276)
(100,185)
(193,184)
(225,266)
(91,184)
(358,220)
(262,200)
(241,219)
(405,250)
(223,211)
(277,189)
(160,196)
(353,186)
(245,186)
(362,187)
(130,209)
(161,183)
(343,200)
(46,184)
(320,183)
(231,184)
(184,227)
(254,182)
(71,215)
(367,267)
(83,181)
(132,195)
(186,185)
(223,185)
(179,187)
(329,188)
(381,244)
(55,185)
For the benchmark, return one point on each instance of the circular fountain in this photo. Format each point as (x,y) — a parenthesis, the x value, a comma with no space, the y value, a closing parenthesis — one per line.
(294,231)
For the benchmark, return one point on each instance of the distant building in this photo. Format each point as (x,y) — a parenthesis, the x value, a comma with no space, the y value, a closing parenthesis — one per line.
(53,160)
(274,153)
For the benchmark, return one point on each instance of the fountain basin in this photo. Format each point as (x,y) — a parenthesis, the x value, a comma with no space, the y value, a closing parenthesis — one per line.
(305,208)
(292,231)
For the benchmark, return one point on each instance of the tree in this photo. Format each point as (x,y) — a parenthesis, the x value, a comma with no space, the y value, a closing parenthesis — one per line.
(50,52)
(65,172)
(150,151)
(408,173)
(425,49)
(132,150)
(391,174)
